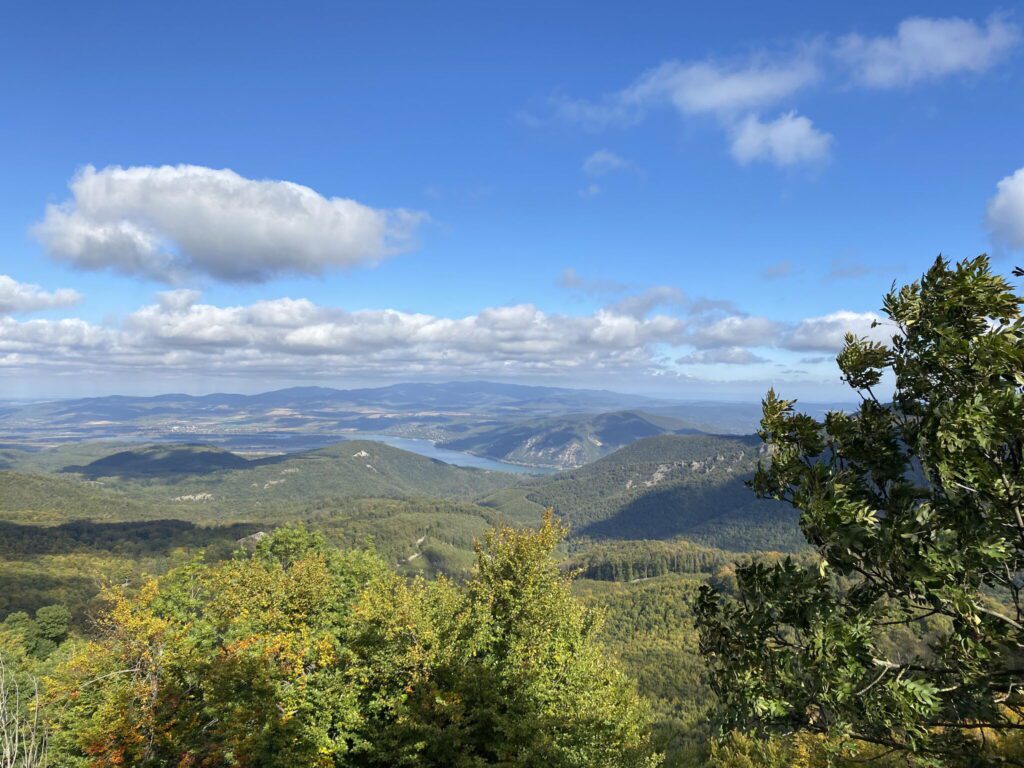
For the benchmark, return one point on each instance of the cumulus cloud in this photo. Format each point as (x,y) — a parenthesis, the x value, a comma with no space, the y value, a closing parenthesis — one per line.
(726,355)
(720,339)
(738,94)
(289,338)
(179,331)
(735,331)
(167,222)
(826,333)
(25,297)
(726,92)
(928,49)
(788,140)
(1005,214)
(57,334)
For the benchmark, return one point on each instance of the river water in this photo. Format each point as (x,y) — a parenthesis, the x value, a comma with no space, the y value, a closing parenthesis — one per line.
(291,442)
(458,458)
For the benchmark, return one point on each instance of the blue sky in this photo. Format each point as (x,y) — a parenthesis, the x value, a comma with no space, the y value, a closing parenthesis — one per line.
(665,199)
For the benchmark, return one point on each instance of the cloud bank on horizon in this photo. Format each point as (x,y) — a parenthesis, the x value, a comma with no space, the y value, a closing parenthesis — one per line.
(179,333)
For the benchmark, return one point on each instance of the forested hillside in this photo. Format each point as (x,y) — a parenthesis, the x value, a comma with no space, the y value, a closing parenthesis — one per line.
(649,626)
(49,498)
(568,441)
(300,654)
(199,482)
(663,487)
(128,512)
(155,508)
(161,462)
(69,531)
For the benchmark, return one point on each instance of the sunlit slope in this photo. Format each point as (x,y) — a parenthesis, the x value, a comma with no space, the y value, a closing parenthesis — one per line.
(568,441)
(187,475)
(664,487)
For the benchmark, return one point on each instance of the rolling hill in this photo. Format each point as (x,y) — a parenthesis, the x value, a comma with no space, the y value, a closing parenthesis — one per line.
(567,441)
(161,461)
(664,487)
(56,499)
(660,487)
(64,534)
(190,476)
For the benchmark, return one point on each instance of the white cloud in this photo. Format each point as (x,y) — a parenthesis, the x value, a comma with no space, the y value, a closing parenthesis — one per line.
(735,331)
(736,93)
(708,88)
(304,339)
(722,337)
(695,88)
(826,333)
(788,140)
(1005,214)
(170,221)
(725,92)
(293,339)
(602,162)
(25,297)
(726,355)
(52,339)
(928,49)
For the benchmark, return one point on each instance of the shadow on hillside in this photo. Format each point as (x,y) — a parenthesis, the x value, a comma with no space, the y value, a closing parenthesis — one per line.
(168,462)
(686,510)
(29,591)
(133,539)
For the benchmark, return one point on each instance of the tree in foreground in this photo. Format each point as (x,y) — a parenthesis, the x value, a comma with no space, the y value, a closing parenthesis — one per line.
(302,655)
(907,635)
(22,732)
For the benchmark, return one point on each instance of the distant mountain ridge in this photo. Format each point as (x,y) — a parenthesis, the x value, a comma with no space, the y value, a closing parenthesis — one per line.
(302,417)
(455,394)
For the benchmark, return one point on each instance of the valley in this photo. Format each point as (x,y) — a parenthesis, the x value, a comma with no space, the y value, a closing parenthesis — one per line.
(107,491)
(646,479)
(542,428)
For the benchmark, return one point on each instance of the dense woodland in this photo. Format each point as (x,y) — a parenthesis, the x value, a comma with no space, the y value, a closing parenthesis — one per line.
(363,606)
